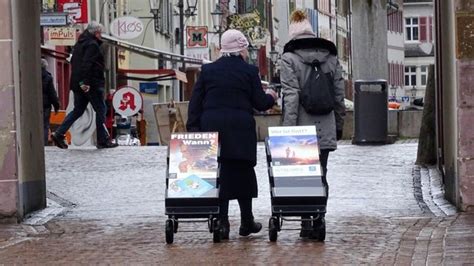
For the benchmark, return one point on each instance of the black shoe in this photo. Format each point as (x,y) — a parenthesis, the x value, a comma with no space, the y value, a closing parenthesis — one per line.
(306,229)
(59,141)
(107,145)
(225,229)
(249,228)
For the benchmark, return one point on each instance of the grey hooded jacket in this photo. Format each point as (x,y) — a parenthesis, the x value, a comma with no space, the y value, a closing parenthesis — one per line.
(294,72)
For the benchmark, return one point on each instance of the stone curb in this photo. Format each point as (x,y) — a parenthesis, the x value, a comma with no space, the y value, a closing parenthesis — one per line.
(429,191)
(33,227)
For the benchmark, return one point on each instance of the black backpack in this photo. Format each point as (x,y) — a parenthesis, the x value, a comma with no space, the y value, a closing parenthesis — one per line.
(317,93)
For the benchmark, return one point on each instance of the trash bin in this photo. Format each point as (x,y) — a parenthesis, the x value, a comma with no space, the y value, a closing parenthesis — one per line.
(370,112)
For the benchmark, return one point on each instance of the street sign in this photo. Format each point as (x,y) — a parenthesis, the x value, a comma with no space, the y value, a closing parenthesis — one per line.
(53,19)
(149,87)
(197,37)
(127,101)
(126,28)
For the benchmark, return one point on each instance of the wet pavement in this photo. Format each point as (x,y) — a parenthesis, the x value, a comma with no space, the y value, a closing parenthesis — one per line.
(112,211)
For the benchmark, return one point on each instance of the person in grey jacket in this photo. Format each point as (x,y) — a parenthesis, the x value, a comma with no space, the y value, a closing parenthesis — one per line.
(303,49)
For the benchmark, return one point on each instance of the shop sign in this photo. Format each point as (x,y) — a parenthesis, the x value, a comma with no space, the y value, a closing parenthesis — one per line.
(250,25)
(127,101)
(53,19)
(197,37)
(61,36)
(198,53)
(77,10)
(126,28)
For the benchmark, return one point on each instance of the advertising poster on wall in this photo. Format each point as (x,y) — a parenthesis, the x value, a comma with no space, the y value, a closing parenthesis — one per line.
(192,164)
(294,151)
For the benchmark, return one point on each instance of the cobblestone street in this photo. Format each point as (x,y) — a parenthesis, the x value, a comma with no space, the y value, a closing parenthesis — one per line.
(111,205)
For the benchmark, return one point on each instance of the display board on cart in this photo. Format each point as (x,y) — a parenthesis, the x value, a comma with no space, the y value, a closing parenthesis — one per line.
(294,151)
(193,166)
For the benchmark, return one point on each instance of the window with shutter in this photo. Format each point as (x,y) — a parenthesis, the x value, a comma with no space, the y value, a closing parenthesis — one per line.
(400,75)
(390,74)
(430,29)
(400,22)
(423,28)
(410,76)
(424,75)
(412,29)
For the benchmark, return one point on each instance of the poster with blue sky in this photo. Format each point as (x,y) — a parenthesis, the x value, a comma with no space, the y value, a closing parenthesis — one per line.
(294,151)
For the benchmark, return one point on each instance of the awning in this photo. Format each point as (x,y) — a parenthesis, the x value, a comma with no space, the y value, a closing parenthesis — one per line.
(157,74)
(151,52)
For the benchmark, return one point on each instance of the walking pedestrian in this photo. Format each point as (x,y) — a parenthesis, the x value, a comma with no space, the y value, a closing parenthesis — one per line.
(50,98)
(223,100)
(303,52)
(87,84)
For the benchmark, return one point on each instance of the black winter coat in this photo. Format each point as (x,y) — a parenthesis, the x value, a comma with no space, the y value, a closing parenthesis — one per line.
(223,100)
(50,96)
(87,63)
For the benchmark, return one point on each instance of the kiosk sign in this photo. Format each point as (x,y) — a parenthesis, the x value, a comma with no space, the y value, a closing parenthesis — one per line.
(126,28)
(127,101)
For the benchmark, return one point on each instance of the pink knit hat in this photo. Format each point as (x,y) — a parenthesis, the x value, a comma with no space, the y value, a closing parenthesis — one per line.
(233,41)
(299,25)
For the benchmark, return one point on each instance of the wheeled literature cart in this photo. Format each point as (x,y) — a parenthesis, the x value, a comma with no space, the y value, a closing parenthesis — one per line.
(192,183)
(295,174)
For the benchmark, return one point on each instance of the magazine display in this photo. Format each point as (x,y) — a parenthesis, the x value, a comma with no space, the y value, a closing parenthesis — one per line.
(192,164)
(294,151)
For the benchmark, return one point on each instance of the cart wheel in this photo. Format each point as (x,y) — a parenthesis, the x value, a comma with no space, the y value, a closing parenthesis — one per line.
(320,231)
(169,231)
(210,224)
(273,229)
(175,226)
(216,232)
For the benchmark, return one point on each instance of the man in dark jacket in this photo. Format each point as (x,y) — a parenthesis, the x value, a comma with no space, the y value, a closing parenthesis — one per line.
(87,84)
(223,100)
(50,97)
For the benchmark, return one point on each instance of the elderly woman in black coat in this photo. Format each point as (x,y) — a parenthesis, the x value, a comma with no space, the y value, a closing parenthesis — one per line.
(223,100)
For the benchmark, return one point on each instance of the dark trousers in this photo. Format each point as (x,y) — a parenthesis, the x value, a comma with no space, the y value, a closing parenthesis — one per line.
(245,205)
(95,96)
(46,116)
(323,159)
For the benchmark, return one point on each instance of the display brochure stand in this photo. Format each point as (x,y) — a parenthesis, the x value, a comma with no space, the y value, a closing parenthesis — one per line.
(192,182)
(295,174)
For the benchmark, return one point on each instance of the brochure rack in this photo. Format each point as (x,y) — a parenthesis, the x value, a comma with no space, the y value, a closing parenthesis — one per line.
(295,175)
(192,182)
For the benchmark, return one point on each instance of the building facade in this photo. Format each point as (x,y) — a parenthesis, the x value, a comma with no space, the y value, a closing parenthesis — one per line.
(455,99)
(396,49)
(419,45)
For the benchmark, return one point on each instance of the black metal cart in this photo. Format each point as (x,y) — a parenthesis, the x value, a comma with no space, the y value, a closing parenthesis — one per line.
(296,186)
(192,196)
